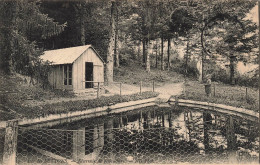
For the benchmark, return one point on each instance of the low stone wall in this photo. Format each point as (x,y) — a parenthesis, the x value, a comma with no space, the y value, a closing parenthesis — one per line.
(240,112)
(51,120)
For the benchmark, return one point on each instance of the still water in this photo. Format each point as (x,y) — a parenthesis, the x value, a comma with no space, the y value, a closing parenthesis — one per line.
(151,135)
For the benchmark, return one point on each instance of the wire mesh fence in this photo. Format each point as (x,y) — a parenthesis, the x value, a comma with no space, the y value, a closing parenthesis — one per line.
(46,146)
(202,138)
(201,144)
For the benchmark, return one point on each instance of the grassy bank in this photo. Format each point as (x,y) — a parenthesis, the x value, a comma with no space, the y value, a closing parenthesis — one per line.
(16,89)
(79,105)
(134,73)
(224,94)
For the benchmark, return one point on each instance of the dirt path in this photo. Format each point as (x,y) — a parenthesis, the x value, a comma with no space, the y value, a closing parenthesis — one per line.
(167,90)
(171,89)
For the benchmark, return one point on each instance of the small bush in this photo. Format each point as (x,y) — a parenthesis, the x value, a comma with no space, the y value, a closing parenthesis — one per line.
(126,54)
(245,80)
(220,75)
(63,93)
(192,70)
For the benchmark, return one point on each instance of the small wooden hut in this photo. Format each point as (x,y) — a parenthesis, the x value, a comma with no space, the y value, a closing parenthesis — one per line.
(72,67)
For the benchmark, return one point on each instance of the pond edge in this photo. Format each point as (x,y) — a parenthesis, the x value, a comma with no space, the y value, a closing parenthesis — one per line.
(126,106)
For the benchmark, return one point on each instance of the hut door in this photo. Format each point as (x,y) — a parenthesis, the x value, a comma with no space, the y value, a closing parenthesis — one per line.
(88,74)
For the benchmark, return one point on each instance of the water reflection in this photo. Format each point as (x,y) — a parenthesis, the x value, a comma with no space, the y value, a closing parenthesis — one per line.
(163,135)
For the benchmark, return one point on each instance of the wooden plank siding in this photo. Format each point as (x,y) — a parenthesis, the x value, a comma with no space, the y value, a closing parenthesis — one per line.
(56,78)
(78,69)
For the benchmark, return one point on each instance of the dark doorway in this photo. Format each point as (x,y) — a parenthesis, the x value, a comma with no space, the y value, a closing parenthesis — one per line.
(88,74)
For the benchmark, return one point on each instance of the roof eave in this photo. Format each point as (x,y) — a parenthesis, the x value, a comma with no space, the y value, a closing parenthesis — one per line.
(94,51)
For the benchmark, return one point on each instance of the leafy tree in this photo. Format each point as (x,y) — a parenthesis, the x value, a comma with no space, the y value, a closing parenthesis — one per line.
(138,25)
(229,34)
(215,21)
(22,23)
(7,18)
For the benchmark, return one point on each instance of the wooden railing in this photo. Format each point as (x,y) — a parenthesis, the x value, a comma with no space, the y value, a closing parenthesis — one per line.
(98,87)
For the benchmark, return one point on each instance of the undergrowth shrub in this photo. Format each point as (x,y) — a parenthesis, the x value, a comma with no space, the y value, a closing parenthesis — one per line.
(220,75)
(192,70)
(245,80)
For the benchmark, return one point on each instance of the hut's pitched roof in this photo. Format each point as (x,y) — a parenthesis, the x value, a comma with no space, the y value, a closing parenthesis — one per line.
(66,55)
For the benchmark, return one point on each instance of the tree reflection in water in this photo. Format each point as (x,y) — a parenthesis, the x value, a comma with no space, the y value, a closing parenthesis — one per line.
(166,135)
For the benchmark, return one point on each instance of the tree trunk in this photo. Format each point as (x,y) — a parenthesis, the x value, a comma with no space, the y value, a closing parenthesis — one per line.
(139,51)
(186,56)
(232,69)
(7,18)
(162,59)
(148,68)
(144,52)
(202,77)
(117,64)
(156,55)
(110,52)
(168,54)
(147,22)
(82,24)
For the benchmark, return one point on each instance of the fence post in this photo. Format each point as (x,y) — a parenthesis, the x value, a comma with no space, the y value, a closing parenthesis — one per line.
(141,87)
(231,140)
(78,144)
(10,145)
(110,137)
(120,89)
(176,101)
(153,86)
(98,90)
(214,90)
(246,94)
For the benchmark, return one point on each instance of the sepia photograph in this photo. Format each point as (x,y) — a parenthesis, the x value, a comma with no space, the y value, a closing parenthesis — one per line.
(111,82)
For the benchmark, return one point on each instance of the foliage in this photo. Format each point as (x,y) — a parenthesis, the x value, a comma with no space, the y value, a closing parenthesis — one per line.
(181,21)
(126,55)
(181,67)
(143,21)
(219,74)
(247,81)
(223,27)
(27,25)
(16,91)
(96,19)
(231,41)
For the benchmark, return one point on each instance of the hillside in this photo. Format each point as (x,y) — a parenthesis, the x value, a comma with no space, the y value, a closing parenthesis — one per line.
(133,73)
(16,90)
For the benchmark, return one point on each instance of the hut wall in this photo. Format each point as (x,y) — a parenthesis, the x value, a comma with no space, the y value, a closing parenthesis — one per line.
(56,78)
(78,70)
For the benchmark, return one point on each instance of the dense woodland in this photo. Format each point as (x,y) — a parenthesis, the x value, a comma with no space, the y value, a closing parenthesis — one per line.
(124,31)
